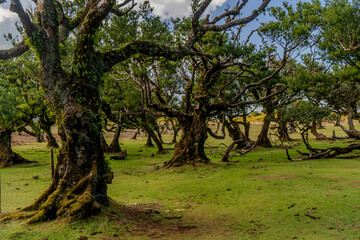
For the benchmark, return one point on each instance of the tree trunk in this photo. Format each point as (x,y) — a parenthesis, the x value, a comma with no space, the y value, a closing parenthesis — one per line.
(292,128)
(319,125)
(159,136)
(9,158)
(79,187)
(176,130)
(263,139)
(337,122)
(352,132)
(351,121)
(246,124)
(319,136)
(103,143)
(137,131)
(40,137)
(152,136)
(283,132)
(115,145)
(236,134)
(190,148)
(36,133)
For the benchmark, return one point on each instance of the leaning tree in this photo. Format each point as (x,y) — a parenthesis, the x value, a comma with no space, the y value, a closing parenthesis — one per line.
(79,186)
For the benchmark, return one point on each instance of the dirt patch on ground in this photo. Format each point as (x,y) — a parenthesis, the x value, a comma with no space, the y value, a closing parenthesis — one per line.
(24,138)
(334,178)
(278,177)
(148,221)
(352,183)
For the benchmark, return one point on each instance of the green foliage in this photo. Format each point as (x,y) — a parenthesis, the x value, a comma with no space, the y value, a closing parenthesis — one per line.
(12,105)
(305,114)
(340,30)
(293,25)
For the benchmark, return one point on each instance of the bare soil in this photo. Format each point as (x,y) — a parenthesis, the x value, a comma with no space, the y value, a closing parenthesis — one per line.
(24,138)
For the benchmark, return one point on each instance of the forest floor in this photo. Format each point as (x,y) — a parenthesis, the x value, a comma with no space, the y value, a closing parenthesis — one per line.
(257,196)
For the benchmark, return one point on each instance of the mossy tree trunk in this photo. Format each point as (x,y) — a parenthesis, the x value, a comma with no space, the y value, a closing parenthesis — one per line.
(8,157)
(79,186)
(190,148)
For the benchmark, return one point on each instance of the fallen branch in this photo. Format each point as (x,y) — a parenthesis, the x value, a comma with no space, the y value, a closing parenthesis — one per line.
(326,153)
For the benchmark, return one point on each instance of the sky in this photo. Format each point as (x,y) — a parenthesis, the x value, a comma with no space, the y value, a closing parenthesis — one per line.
(163,8)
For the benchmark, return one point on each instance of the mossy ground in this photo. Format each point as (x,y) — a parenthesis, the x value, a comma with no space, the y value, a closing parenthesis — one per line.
(262,196)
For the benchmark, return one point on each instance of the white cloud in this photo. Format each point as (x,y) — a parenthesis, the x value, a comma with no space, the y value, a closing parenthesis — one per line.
(6,14)
(178,8)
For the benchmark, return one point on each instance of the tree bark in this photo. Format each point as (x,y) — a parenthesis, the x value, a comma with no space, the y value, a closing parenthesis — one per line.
(190,148)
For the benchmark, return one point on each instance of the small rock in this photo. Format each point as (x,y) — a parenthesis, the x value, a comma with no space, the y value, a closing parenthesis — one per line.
(36,177)
(180,210)
(26,184)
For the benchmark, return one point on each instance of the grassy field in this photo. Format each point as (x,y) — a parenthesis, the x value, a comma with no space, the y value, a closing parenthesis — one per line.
(258,196)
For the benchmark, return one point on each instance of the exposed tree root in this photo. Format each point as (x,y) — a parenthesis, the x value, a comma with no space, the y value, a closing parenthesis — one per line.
(65,199)
(181,160)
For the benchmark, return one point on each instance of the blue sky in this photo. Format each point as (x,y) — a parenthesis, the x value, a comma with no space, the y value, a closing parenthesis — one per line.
(163,8)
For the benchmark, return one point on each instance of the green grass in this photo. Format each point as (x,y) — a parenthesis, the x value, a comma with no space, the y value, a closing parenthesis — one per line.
(263,196)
